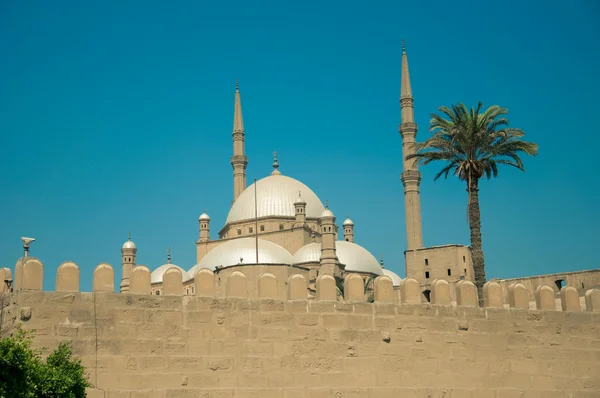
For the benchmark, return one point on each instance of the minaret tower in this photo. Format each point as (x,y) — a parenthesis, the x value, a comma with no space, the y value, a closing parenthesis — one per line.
(300,208)
(239,161)
(128,253)
(348,225)
(204,221)
(411,178)
(328,260)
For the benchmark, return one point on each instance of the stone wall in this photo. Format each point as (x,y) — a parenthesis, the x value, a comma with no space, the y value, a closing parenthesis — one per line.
(581,280)
(173,346)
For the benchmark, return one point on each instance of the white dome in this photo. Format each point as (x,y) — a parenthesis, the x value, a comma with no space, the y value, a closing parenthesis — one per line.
(393,276)
(276,195)
(326,213)
(157,275)
(204,216)
(355,257)
(129,245)
(229,253)
(348,222)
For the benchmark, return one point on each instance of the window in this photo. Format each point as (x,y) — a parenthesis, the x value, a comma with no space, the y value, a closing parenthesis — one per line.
(426,262)
(262,228)
(346,239)
(158,292)
(427,295)
(239,231)
(465,271)
(281,227)
(251,230)
(187,291)
(426,274)
(449,272)
(193,290)
(464,259)
(560,283)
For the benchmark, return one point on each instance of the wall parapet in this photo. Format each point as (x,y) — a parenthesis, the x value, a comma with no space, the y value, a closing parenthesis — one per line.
(237,285)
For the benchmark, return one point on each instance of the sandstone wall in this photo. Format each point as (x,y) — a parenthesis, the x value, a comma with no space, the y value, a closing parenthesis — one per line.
(173,346)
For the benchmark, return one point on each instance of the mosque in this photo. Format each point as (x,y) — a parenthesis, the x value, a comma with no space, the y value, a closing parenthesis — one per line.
(280,226)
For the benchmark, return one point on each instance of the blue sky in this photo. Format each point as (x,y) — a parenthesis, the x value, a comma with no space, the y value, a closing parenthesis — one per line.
(117,117)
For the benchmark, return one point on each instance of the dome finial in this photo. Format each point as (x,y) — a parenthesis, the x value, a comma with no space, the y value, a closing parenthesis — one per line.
(169,255)
(403,47)
(326,204)
(237,85)
(275,165)
(129,236)
(381,260)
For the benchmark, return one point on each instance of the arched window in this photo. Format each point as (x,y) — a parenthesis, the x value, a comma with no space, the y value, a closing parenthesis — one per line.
(281,227)
(239,231)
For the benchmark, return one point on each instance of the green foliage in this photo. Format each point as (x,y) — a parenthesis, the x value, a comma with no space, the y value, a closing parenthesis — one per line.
(24,374)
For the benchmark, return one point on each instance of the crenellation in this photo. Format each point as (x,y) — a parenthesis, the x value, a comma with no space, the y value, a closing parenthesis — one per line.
(242,345)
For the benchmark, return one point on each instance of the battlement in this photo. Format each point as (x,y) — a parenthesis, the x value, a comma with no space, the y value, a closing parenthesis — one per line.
(140,345)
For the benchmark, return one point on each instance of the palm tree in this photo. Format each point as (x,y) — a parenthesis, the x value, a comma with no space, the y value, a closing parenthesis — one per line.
(472,144)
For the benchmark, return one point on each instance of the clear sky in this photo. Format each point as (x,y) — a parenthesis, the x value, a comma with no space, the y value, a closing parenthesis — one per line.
(116,117)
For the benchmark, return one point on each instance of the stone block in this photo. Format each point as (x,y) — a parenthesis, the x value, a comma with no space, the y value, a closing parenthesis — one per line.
(410,291)
(544,298)
(592,300)
(440,292)
(67,277)
(32,272)
(172,282)
(104,278)
(493,297)
(237,285)
(326,289)
(569,299)
(518,296)
(384,290)
(466,294)
(354,288)
(267,286)
(297,287)
(5,274)
(139,282)
(204,283)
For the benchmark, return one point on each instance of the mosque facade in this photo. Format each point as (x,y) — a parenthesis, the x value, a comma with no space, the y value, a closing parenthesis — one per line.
(278,225)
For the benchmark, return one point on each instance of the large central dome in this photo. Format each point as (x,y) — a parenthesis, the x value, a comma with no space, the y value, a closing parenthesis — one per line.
(276,195)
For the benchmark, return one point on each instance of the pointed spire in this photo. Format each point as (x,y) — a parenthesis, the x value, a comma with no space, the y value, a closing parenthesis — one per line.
(405,90)
(275,165)
(238,121)
(169,255)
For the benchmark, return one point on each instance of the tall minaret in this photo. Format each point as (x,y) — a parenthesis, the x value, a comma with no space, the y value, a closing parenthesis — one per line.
(411,178)
(239,161)
(128,254)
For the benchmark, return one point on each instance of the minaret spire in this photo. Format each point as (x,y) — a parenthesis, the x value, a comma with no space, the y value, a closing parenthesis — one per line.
(239,161)
(411,178)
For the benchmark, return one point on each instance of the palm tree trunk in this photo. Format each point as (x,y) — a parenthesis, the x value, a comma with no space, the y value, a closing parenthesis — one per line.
(476,245)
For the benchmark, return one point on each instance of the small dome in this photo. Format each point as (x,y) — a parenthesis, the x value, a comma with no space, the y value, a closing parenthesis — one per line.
(299,201)
(393,276)
(348,222)
(157,275)
(204,217)
(326,213)
(129,245)
(355,257)
(242,251)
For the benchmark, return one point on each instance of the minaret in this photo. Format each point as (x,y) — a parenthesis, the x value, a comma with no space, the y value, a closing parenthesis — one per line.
(128,253)
(348,225)
(239,161)
(411,178)
(204,221)
(300,207)
(328,260)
